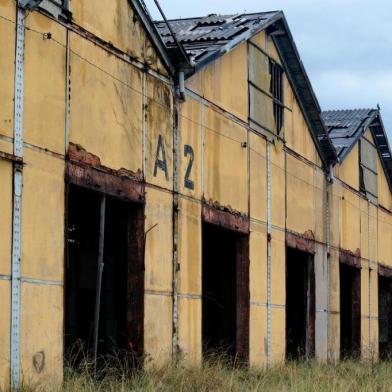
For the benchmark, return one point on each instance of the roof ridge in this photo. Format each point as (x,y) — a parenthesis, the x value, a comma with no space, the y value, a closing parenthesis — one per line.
(223,15)
(348,110)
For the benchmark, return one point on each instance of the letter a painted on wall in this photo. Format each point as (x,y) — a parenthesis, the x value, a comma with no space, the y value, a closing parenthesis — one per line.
(160,158)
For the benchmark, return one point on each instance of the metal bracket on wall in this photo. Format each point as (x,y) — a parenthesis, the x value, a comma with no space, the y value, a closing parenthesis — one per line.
(17,198)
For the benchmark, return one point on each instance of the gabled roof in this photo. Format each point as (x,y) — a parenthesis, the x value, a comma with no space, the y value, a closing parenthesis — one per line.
(207,38)
(345,128)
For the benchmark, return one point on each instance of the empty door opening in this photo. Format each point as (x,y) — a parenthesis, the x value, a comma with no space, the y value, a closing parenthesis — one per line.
(385,316)
(350,311)
(300,304)
(225,286)
(116,317)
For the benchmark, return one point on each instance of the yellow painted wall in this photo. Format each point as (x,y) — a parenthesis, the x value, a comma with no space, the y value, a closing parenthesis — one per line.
(111,94)
(189,280)
(158,276)
(348,170)
(41,333)
(7,55)
(225,164)
(45,59)
(43,221)
(6,191)
(216,82)
(115,23)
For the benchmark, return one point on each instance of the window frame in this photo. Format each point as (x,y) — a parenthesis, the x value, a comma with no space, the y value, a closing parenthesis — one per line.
(363,168)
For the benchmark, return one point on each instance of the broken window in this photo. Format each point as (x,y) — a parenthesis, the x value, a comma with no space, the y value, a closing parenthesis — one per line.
(225,289)
(368,168)
(385,316)
(104,289)
(57,8)
(300,304)
(266,101)
(276,89)
(350,310)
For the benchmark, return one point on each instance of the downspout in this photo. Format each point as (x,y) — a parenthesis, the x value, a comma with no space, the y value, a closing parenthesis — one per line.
(181,85)
(330,181)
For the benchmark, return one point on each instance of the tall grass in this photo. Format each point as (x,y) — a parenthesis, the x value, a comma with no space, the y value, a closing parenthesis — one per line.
(216,374)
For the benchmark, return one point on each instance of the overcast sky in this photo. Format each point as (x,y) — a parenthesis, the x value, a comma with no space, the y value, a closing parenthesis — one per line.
(345,45)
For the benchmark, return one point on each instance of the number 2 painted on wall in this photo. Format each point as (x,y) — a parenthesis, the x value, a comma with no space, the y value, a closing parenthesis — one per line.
(188,183)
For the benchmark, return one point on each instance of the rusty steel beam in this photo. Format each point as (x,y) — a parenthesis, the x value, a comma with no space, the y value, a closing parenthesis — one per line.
(350,258)
(243,299)
(385,271)
(85,170)
(136,237)
(304,242)
(11,157)
(226,219)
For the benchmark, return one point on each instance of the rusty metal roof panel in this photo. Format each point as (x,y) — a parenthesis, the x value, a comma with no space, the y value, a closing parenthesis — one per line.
(201,36)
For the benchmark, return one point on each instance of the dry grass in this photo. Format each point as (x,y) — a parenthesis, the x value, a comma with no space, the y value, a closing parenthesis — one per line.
(217,375)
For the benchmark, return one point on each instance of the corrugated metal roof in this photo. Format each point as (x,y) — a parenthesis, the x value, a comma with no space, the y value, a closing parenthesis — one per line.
(345,127)
(205,35)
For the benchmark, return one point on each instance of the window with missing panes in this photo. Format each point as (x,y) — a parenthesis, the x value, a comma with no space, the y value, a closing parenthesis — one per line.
(368,168)
(266,100)
(57,8)
(276,89)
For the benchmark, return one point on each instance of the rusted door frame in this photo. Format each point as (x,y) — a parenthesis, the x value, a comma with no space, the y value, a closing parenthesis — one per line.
(386,272)
(311,309)
(238,224)
(353,260)
(136,251)
(306,244)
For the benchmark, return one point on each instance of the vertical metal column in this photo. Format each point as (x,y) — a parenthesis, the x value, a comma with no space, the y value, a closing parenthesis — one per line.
(67,89)
(144,124)
(176,147)
(370,276)
(17,198)
(99,279)
(328,258)
(269,237)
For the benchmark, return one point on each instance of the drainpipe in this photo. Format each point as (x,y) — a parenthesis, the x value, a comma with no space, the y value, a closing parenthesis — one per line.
(181,85)
(330,176)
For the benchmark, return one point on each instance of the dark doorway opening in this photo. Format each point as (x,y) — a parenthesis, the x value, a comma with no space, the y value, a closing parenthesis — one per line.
(350,311)
(385,316)
(300,304)
(225,286)
(118,317)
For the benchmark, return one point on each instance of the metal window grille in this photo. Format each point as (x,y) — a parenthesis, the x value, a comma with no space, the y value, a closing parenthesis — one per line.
(276,89)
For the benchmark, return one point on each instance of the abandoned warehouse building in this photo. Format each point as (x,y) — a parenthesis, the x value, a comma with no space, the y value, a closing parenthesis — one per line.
(172,189)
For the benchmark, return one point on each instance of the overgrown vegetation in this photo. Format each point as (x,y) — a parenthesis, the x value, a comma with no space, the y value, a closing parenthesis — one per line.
(217,375)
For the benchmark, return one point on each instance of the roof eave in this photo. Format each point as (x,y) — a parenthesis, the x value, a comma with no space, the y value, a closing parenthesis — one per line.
(153,35)
(317,126)
(388,171)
